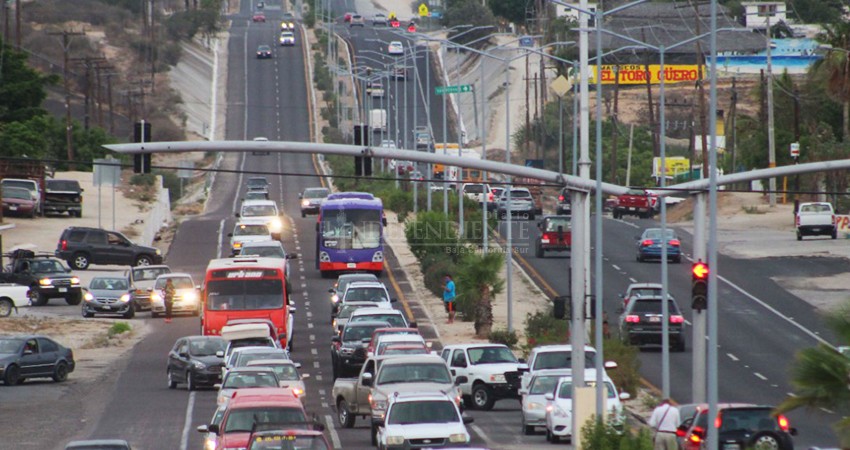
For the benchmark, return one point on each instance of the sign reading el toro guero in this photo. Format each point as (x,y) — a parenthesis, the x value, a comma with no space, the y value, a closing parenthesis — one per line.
(637,73)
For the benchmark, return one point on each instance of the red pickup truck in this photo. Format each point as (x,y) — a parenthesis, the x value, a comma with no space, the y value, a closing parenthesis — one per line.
(635,202)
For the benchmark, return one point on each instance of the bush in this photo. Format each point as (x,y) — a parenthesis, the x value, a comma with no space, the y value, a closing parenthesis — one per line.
(627,375)
(433,271)
(171,182)
(607,435)
(506,337)
(142,179)
(118,328)
(541,328)
(432,234)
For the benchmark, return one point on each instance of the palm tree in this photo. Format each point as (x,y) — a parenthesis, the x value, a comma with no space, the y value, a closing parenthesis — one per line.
(821,376)
(835,68)
(479,280)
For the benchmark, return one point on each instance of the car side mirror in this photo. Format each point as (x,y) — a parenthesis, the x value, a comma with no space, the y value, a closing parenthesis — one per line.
(293,310)
(304,376)
(219,354)
(523,392)
(550,396)
(292,256)
(27,352)
(237,215)
(184,355)
(229,234)
(217,386)
(461,380)
(212,428)
(792,431)
(366,379)
(202,429)
(67,270)
(467,420)
(625,396)
(610,365)
(300,195)
(393,300)
(414,325)
(297,365)
(331,291)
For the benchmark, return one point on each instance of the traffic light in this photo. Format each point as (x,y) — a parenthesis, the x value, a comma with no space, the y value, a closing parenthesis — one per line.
(362,164)
(699,286)
(142,161)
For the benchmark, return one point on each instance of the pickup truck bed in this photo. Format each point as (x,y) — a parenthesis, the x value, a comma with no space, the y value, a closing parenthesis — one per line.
(813,219)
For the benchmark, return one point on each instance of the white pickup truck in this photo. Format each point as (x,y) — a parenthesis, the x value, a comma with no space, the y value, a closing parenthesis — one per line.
(12,296)
(815,219)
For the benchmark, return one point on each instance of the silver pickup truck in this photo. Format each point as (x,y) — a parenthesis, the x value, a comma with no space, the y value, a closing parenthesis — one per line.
(382,376)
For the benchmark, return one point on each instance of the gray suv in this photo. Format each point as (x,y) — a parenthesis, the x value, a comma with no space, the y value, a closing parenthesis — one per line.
(82,246)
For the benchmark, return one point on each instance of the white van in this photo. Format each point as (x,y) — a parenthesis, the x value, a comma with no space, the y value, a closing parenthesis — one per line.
(378,120)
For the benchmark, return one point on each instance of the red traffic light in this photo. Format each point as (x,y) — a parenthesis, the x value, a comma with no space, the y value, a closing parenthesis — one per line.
(700,270)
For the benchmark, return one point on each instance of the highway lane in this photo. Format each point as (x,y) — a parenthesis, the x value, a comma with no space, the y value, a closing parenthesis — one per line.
(756,345)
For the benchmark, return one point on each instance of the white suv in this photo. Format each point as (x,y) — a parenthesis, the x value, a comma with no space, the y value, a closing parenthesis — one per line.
(492,372)
(367,291)
(546,357)
(429,420)
(264,212)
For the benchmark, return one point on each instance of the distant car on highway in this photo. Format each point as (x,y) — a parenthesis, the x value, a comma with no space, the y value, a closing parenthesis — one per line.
(521,203)
(356,20)
(399,73)
(298,439)
(347,17)
(431,416)
(555,235)
(287,38)
(186,296)
(288,22)
(395,48)
(33,356)
(559,406)
(264,52)
(99,444)
(259,16)
(247,232)
(635,202)
(813,219)
(376,89)
(194,360)
(641,290)
(379,19)
(257,408)
(82,246)
(108,295)
(245,378)
(141,281)
(564,205)
(260,184)
(642,320)
(311,200)
(649,245)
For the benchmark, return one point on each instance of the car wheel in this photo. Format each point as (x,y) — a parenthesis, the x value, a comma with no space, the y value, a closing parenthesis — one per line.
(639,258)
(538,251)
(38,299)
(374,432)
(86,313)
(80,261)
(527,429)
(60,372)
(143,260)
(12,375)
(335,370)
(764,440)
(6,307)
(190,385)
(172,383)
(131,312)
(482,397)
(799,235)
(346,419)
(554,438)
(74,300)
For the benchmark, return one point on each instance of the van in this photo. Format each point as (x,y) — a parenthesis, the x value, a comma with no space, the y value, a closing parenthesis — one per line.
(378,120)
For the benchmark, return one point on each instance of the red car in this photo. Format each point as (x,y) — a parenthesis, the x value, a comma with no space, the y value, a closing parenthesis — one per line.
(251,409)
(411,28)
(277,439)
(259,16)
(555,235)
(395,23)
(18,201)
(347,17)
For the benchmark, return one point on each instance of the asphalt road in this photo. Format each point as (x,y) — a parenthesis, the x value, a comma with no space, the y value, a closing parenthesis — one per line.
(760,325)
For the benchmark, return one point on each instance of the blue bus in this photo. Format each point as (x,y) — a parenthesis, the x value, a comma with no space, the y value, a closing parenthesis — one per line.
(350,234)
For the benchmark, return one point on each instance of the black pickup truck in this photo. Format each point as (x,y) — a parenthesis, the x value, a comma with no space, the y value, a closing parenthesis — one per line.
(62,196)
(46,277)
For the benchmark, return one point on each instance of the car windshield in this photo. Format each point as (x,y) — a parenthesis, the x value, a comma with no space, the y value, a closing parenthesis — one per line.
(351,228)
(756,419)
(110,284)
(250,230)
(288,442)
(815,208)
(561,359)
(543,385)
(316,193)
(474,188)
(264,48)
(242,380)
(645,292)
(257,182)
(244,294)
(343,281)
(636,192)
(653,306)
(655,233)
(395,320)
(491,355)
(259,211)
(267,251)
(245,358)
(206,347)
(346,310)
(178,282)
(402,350)
(242,420)
(19,193)
(26,184)
(10,345)
(287,34)
(46,266)
(358,333)
(284,372)
(414,373)
(366,295)
(419,412)
(255,196)
(553,224)
(520,194)
(150,273)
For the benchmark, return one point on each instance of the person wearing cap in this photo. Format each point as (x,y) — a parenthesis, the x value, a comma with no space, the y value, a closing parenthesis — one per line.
(664,420)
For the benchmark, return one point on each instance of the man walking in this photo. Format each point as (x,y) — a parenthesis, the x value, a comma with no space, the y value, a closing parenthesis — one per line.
(168,299)
(665,419)
(449,296)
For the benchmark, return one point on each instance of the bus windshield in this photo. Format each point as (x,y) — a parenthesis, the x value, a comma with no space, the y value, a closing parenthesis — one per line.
(244,294)
(351,228)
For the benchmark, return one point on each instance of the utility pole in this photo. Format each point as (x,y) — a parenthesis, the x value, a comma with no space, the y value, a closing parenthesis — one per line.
(701,90)
(528,134)
(88,63)
(614,128)
(652,127)
(109,99)
(771,139)
(66,43)
(733,119)
(18,24)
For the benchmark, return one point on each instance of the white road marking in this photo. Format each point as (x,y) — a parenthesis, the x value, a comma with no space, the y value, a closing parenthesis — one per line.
(314,351)
(307,304)
(309,314)
(303,277)
(325,405)
(688,322)
(632,280)
(329,422)
(483,435)
(732,357)
(616,267)
(309,325)
(322,392)
(316,366)
(627,223)
(312,337)
(763,378)
(303,285)
(220,238)
(187,424)
(318,378)
(827,411)
(301,268)
(790,394)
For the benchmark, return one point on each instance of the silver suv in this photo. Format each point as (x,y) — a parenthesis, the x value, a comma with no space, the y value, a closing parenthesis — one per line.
(521,203)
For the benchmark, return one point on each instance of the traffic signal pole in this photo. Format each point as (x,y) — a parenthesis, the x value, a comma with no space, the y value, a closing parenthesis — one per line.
(698,318)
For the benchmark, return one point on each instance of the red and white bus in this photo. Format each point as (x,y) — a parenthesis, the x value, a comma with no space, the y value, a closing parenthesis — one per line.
(246,288)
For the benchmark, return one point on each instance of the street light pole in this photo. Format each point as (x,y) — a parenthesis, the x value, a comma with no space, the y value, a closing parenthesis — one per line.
(509,245)
(771,140)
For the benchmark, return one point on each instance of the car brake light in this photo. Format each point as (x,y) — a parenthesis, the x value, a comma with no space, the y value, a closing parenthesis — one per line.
(632,319)
(490,197)
(646,243)
(718,421)
(783,423)
(695,439)
(560,198)
(680,432)
(64,244)
(833,219)
(677,319)
(674,242)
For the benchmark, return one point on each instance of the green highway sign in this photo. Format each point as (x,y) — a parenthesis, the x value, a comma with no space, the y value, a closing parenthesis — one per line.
(460,89)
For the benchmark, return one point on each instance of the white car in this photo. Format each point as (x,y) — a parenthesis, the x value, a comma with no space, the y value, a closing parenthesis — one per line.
(533,399)
(247,232)
(367,291)
(388,339)
(241,356)
(558,357)
(244,378)
(492,372)
(210,437)
(186,296)
(391,316)
(559,406)
(395,48)
(287,38)
(376,89)
(13,296)
(287,374)
(422,417)
(264,212)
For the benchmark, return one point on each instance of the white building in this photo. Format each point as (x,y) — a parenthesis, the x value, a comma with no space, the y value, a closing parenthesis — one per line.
(756,14)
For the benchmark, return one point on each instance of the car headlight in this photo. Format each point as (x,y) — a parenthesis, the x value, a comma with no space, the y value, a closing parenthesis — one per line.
(88,296)
(190,296)
(305,202)
(45,281)
(335,298)
(333,324)
(298,392)
(534,405)
(237,244)
(124,298)
(209,444)
(275,225)
(395,440)
(75,280)
(155,297)
(347,351)
(324,257)
(199,365)
(222,399)
(378,404)
(559,412)
(497,378)
(458,438)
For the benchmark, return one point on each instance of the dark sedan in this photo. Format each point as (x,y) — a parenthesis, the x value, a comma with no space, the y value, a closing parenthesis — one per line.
(18,202)
(264,52)
(649,245)
(193,361)
(33,356)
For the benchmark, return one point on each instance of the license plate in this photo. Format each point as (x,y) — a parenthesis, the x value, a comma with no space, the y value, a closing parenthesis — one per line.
(352,265)
(655,319)
(13,208)
(107,307)
(631,209)
(731,447)
(544,241)
(815,229)
(63,289)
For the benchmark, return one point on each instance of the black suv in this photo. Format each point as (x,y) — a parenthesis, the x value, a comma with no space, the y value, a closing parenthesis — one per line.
(641,322)
(46,277)
(348,350)
(81,246)
(564,206)
(740,426)
(62,196)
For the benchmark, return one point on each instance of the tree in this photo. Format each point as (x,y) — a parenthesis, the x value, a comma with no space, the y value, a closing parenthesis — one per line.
(21,87)
(478,280)
(468,12)
(835,68)
(512,10)
(821,376)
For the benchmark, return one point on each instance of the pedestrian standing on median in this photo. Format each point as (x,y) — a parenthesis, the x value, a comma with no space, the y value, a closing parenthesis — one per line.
(168,299)
(664,420)
(449,296)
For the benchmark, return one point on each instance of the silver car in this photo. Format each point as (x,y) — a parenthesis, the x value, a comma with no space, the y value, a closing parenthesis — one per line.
(521,203)
(287,373)
(533,402)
